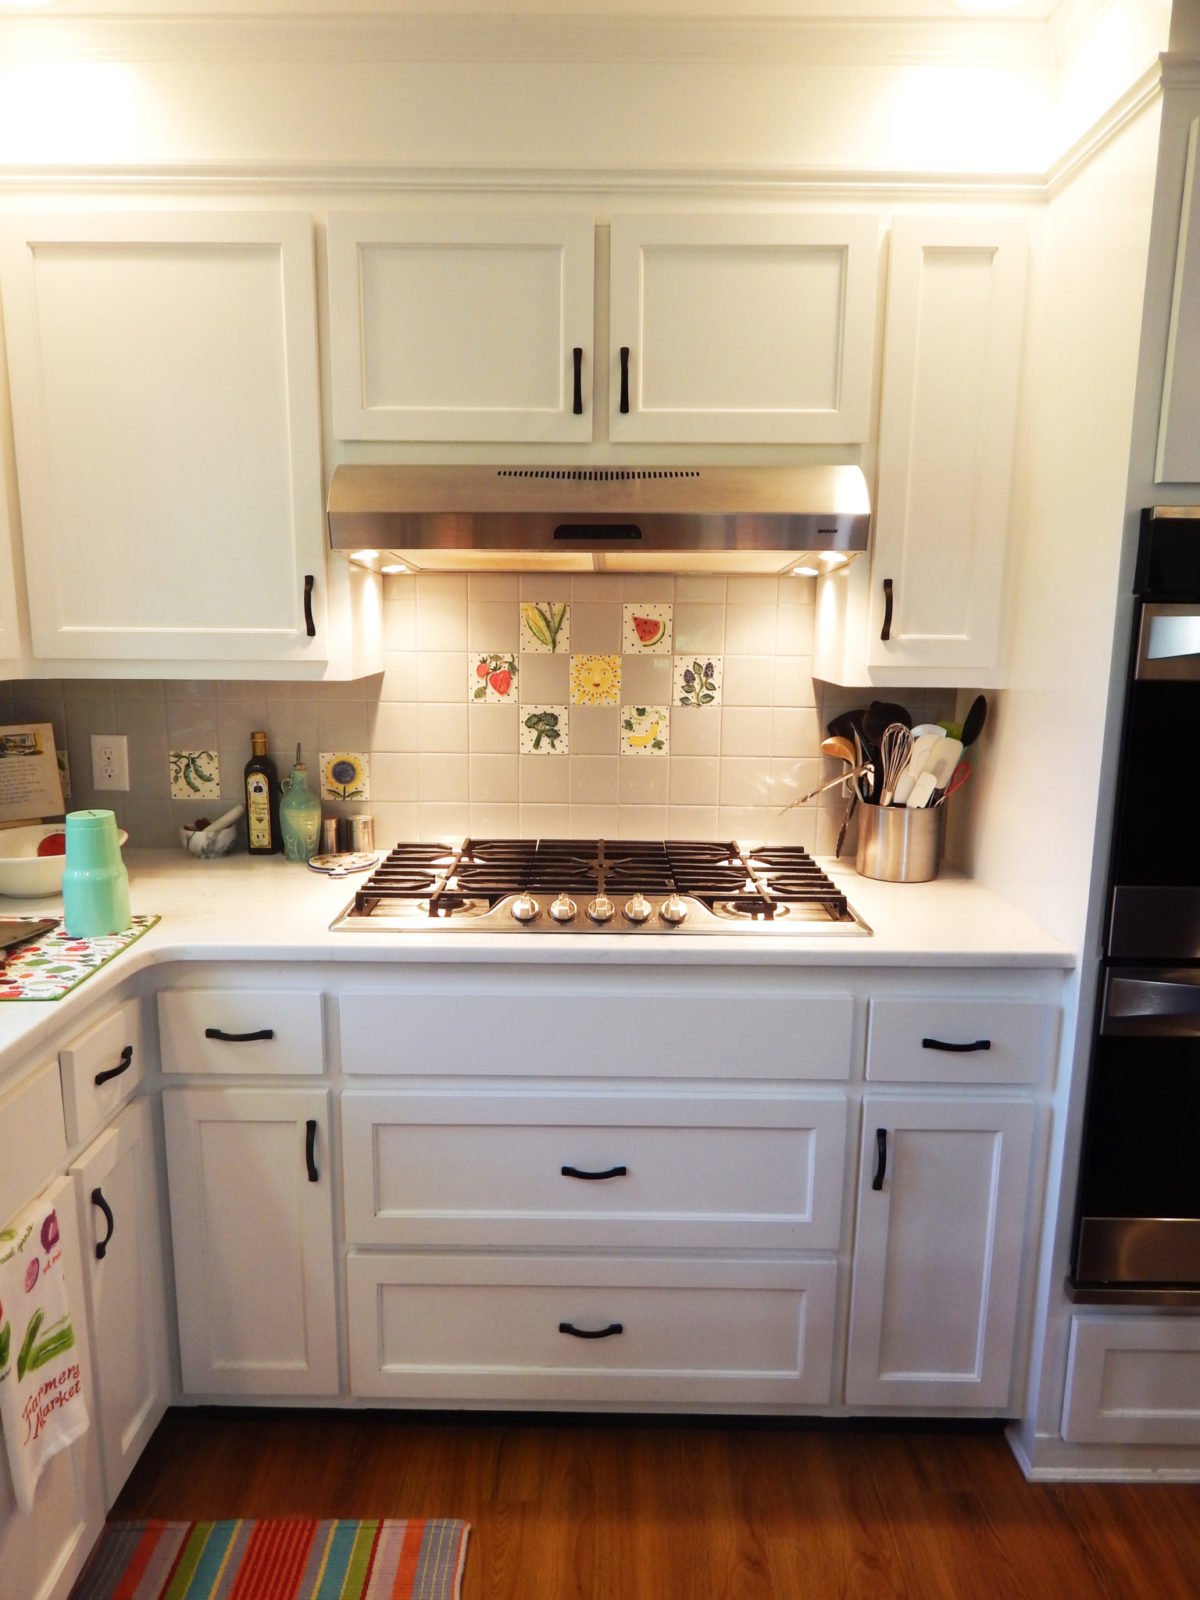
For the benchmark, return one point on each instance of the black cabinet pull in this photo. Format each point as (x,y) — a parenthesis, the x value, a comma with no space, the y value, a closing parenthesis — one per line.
(310,626)
(239,1038)
(99,1201)
(886,631)
(577,357)
(123,1065)
(880,1158)
(310,1149)
(593,1177)
(591,1333)
(624,380)
(958,1049)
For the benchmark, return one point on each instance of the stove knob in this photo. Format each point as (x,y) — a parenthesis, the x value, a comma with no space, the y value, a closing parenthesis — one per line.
(601,909)
(525,908)
(638,909)
(673,910)
(564,909)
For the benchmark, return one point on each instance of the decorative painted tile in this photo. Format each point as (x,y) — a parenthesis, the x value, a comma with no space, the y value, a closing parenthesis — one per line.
(698,680)
(645,730)
(543,730)
(195,775)
(545,627)
(595,680)
(492,676)
(345,775)
(647,630)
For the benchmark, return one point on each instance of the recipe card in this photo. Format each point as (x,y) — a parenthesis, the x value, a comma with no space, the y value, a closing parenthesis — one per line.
(30,787)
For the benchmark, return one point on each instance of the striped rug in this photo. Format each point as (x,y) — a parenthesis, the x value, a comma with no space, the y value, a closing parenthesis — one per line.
(276,1560)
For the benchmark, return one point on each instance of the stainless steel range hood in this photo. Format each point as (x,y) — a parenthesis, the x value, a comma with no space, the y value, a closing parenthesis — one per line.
(601,519)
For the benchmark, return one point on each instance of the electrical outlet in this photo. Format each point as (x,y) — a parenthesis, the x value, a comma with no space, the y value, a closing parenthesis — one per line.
(110,761)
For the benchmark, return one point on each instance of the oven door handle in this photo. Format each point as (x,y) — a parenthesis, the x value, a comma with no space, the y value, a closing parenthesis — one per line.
(1164,1001)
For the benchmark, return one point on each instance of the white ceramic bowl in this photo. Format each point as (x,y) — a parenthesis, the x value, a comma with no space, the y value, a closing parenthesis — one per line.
(23,873)
(217,844)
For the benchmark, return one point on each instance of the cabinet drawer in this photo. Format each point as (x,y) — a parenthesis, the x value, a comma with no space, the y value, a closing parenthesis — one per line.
(100,1070)
(612,1035)
(492,1328)
(35,1146)
(706,1171)
(960,1041)
(273,1031)
(1133,1380)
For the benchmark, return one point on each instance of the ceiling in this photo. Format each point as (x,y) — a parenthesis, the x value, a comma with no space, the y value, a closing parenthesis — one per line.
(838,11)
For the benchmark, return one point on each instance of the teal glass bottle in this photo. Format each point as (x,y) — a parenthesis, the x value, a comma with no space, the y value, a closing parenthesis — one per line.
(299,814)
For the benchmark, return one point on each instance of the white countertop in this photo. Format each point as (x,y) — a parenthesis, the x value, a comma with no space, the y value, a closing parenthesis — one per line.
(244,909)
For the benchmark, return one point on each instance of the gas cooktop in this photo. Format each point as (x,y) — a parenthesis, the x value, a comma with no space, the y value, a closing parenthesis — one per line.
(599,886)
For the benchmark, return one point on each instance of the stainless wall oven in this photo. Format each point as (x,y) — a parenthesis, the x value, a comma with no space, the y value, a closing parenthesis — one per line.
(1137,1235)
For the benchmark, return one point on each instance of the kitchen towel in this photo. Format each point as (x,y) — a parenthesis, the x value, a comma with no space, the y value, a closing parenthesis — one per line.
(56,963)
(42,1409)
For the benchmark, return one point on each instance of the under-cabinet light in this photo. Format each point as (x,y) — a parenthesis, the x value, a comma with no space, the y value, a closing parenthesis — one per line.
(364,558)
(394,568)
(805,572)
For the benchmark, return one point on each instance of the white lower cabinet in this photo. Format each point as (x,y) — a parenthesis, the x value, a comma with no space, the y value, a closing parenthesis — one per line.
(578,1330)
(117,1195)
(1133,1379)
(43,1550)
(251,1218)
(700,1171)
(942,1208)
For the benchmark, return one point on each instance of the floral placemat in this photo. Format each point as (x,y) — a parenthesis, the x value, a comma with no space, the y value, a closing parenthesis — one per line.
(56,963)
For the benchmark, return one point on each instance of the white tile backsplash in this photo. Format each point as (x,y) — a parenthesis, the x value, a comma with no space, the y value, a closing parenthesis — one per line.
(442,766)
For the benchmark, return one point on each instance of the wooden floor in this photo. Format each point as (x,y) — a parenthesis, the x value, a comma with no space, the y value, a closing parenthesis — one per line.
(594,1510)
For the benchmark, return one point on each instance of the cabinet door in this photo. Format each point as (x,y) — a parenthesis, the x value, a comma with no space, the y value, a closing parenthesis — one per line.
(251,1218)
(947,425)
(43,1551)
(448,326)
(117,1195)
(11,650)
(742,329)
(937,1253)
(166,413)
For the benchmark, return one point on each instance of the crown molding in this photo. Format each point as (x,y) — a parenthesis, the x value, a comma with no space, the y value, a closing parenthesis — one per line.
(851,41)
(1132,103)
(795,183)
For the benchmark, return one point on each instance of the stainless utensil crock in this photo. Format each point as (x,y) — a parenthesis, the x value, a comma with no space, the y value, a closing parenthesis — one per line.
(900,844)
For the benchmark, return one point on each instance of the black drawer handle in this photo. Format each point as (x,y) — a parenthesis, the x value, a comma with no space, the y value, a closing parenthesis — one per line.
(624,380)
(958,1049)
(99,1201)
(310,626)
(123,1065)
(577,358)
(591,1333)
(880,1158)
(594,1177)
(310,1149)
(239,1038)
(886,631)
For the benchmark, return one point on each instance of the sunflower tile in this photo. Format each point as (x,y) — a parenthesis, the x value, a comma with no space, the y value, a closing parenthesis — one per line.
(345,775)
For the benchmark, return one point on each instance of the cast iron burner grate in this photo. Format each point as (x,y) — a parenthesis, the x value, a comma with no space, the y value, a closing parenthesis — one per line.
(761,885)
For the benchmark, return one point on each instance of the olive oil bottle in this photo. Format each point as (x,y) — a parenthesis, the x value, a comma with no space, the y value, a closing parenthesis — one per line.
(262,800)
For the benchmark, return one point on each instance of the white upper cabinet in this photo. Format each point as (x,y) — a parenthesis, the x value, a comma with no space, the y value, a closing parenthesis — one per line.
(167,426)
(742,329)
(461,327)
(951,367)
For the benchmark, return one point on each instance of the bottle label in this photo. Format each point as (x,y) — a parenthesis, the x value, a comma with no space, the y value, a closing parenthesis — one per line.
(258,811)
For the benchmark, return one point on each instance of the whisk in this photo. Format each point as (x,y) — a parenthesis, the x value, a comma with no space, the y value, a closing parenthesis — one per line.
(895,751)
